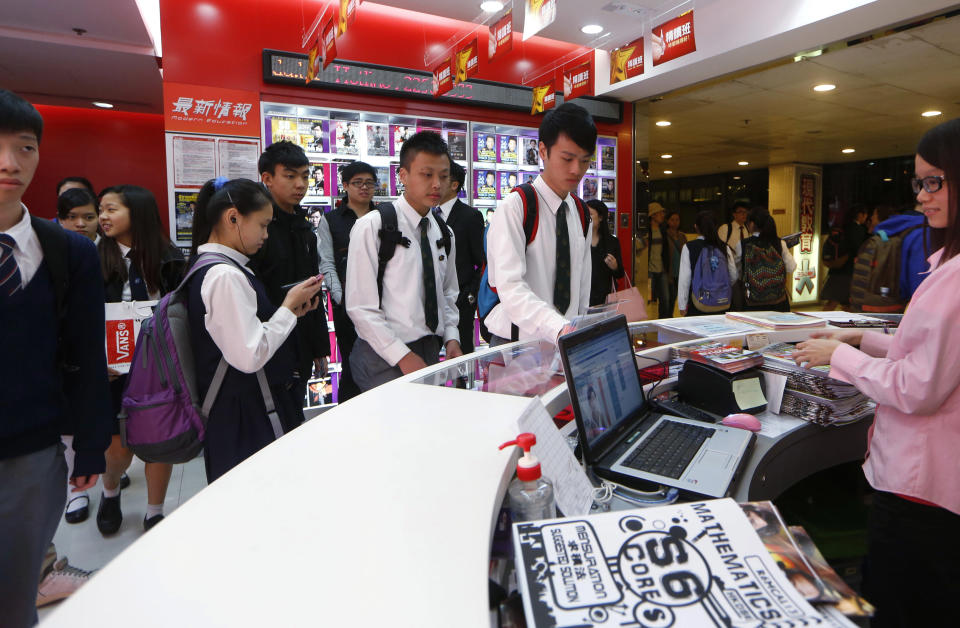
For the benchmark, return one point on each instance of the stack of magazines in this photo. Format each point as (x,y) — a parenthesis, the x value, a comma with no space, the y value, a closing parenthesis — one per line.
(777,320)
(811,394)
(719,354)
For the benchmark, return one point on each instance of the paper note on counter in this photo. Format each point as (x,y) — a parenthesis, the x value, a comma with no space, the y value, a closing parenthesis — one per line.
(572,488)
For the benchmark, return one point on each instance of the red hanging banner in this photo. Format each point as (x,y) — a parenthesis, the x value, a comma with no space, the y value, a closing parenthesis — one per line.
(673,39)
(501,36)
(442,78)
(543,98)
(313,60)
(578,81)
(467,61)
(626,62)
(348,13)
(329,42)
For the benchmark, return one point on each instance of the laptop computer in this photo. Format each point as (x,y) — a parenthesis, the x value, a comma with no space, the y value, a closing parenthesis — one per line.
(623,439)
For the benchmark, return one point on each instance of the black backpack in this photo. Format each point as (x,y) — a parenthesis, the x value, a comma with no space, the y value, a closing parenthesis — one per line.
(391,236)
(834,253)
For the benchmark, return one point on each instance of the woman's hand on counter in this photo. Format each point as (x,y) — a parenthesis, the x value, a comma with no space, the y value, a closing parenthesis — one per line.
(848,336)
(816,352)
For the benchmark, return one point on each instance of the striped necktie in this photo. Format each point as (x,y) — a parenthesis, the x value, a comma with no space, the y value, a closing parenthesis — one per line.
(10,280)
(561,287)
(430,308)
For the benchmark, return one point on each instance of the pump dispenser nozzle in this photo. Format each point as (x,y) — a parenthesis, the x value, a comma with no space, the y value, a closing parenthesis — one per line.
(528,467)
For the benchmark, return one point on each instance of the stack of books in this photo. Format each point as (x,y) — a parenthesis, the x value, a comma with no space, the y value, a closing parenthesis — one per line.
(811,394)
(719,354)
(777,320)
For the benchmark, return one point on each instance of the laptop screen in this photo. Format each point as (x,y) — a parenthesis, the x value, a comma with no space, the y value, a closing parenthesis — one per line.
(604,377)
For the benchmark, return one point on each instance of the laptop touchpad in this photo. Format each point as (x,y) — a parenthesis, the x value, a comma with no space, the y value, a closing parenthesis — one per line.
(715,459)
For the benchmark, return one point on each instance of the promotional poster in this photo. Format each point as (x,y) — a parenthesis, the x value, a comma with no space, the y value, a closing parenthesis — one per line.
(531,157)
(589,189)
(377,140)
(673,39)
(606,157)
(442,78)
(313,135)
(383,181)
(457,143)
(467,61)
(608,190)
(578,81)
(348,141)
(500,40)
(543,98)
(396,188)
(317,183)
(185,204)
(400,135)
(507,149)
(486,147)
(626,62)
(538,14)
(507,181)
(486,184)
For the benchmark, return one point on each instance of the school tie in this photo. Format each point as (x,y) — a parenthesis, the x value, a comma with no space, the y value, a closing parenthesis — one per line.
(429,277)
(561,288)
(138,288)
(9,269)
(743,233)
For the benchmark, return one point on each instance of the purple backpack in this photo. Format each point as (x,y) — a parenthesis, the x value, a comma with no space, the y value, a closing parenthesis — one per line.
(163,418)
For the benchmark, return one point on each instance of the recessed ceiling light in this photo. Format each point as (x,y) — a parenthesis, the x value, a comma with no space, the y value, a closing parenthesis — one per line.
(887,180)
(668,172)
(491,6)
(824,87)
(930,114)
(666,156)
(848,150)
(102,105)
(743,163)
(663,123)
(591,29)
(736,178)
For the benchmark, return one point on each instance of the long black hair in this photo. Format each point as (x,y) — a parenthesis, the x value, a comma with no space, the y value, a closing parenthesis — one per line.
(603,226)
(765,226)
(149,238)
(940,147)
(217,196)
(706,223)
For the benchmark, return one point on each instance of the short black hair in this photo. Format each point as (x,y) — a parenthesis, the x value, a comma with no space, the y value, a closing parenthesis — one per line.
(354,168)
(458,173)
(73,198)
(81,180)
(17,114)
(572,120)
(740,205)
(422,142)
(283,153)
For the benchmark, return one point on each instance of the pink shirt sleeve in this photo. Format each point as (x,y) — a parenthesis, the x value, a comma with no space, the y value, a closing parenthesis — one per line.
(876,344)
(919,380)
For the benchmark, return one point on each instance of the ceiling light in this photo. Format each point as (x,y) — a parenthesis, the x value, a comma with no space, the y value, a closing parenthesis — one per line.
(736,178)
(887,180)
(491,6)
(102,105)
(668,172)
(848,150)
(591,29)
(663,123)
(666,156)
(930,114)
(743,163)
(824,87)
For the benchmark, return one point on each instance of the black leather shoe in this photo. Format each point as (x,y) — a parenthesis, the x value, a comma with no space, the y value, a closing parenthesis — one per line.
(124,481)
(109,515)
(152,521)
(80,514)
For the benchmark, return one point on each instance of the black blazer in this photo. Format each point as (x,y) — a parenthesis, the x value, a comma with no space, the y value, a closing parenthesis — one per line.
(467,226)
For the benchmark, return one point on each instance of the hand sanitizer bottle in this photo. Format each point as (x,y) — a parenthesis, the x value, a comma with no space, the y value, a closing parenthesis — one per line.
(531,494)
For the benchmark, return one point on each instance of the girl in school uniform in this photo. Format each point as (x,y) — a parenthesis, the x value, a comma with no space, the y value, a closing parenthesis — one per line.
(706,242)
(763,235)
(912,569)
(139,264)
(232,318)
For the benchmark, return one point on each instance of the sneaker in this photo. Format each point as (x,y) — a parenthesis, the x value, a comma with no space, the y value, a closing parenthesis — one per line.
(124,481)
(78,508)
(60,582)
(152,521)
(109,515)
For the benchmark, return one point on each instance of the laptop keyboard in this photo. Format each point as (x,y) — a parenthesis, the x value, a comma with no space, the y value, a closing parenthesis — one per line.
(669,448)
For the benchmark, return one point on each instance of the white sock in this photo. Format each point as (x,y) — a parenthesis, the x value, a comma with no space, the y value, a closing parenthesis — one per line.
(107,492)
(68,454)
(154,510)
(76,504)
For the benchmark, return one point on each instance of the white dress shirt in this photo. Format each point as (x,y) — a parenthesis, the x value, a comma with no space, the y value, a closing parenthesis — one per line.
(739,232)
(524,276)
(401,319)
(446,208)
(247,343)
(686,274)
(27,252)
(327,264)
(127,293)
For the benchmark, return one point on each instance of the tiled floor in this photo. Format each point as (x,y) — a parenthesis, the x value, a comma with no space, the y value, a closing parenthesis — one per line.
(88,549)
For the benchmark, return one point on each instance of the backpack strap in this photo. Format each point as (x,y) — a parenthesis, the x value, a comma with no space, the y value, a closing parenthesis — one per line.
(583,211)
(531,209)
(53,241)
(444,240)
(390,236)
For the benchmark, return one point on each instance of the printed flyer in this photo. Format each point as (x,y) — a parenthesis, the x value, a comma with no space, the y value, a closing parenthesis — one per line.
(486,147)
(507,149)
(507,181)
(457,142)
(530,155)
(697,564)
(486,184)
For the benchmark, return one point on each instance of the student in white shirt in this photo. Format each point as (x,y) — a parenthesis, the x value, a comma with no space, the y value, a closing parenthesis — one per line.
(231,317)
(731,234)
(396,335)
(706,242)
(533,304)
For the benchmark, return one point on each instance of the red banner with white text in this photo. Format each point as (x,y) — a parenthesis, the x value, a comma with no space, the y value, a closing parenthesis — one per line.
(673,39)
(626,62)
(501,36)
(544,97)
(467,61)
(442,78)
(578,81)
(329,42)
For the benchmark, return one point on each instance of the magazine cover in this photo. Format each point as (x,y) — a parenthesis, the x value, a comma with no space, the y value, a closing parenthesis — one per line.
(486,147)
(777,320)
(531,157)
(507,147)
(186,205)
(313,135)
(697,564)
(608,190)
(486,184)
(850,603)
(284,129)
(589,188)
(383,181)
(457,142)
(606,157)
(317,183)
(400,134)
(348,137)
(396,188)
(508,181)
(528,177)
(377,141)
(593,160)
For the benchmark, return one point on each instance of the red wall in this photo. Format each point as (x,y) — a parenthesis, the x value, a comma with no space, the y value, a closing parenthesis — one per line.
(107,147)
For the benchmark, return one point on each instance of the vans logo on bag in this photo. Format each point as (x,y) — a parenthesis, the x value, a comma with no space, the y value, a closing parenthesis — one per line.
(120,347)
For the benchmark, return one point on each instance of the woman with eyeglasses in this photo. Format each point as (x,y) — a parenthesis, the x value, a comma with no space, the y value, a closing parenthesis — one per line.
(359,182)
(912,569)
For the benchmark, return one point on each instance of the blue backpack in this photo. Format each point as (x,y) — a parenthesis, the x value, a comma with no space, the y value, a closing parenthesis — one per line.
(487,297)
(710,289)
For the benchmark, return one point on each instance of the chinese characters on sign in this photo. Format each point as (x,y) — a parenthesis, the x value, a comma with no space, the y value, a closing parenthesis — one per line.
(468,61)
(329,39)
(807,260)
(543,98)
(201,109)
(538,14)
(501,36)
(673,39)
(626,62)
(442,78)
(348,13)
(578,82)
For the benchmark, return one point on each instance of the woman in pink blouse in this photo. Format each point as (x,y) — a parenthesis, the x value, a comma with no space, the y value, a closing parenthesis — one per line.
(912,571)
